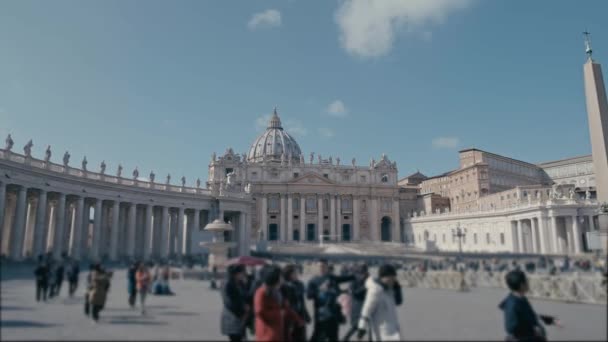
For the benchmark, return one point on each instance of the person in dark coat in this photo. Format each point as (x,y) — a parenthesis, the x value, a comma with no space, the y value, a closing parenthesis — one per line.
(235,310)
(100,285)
(520,319)
(324,290)
(357,292)
(131,282)
(73,273)
(42,279)
(293,290)
(58,278)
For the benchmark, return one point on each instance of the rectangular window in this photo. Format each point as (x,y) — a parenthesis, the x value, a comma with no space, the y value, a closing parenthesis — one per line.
(311,205)
(326,175)
(325,204)
(273,204)
(254,175)
(363,179)
(228,170)
(475,238)
(295,204)
(502,238)
(296,175)
(346,204)
(488,238)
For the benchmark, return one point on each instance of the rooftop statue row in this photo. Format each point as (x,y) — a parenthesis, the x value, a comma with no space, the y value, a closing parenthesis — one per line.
(27,149)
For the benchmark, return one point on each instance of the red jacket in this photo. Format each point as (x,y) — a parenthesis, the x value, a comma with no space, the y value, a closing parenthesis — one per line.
(270,317)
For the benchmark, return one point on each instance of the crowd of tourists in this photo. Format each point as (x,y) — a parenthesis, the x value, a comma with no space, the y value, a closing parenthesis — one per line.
(269,303)
(50,274)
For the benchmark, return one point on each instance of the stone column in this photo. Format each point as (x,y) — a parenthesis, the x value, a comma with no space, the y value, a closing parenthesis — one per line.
(59,243)
(533,231)
(196,226)
(131,230)
(520,238)
(320,217)
(148,230)
(283,224)
(115,231)
(339,219)
(76,239)
(591,223)
(541,235)
(396,233)
(95,244)
(356,218)
(302,218)
(164,238)
(242,243)
(264,217)
(375,232)
(18,235)
(180,232)
(332,216)
(556,246)
(576,232)
(40,227)
(2,204)
(289,234)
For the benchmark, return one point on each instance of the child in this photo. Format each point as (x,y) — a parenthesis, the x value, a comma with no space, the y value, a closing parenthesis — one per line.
(521,322)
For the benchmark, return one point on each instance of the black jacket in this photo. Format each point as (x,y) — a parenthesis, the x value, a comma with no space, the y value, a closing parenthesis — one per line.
(325,303)
(293,292)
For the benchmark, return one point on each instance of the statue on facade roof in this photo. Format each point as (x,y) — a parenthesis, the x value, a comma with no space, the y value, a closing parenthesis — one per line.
(119,171)
(168,181)
(9,143)
(198,183)
(66,158)
(47,154)
(213,157)
(28,148)
(135,173)
(354,162)
(320,159)
(312,157)
(152,176)
(338,161)
(84,163)
(102,167)
(183,181)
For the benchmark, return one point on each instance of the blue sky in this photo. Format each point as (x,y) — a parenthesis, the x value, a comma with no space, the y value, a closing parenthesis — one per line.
(162,84)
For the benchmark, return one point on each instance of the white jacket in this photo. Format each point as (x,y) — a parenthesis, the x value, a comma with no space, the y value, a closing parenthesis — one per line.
(379,313)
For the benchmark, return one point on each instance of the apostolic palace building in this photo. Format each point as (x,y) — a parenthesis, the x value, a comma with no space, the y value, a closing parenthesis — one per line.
(277,194)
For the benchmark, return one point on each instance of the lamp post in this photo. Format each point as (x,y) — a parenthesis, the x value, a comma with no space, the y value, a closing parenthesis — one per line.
(460,234)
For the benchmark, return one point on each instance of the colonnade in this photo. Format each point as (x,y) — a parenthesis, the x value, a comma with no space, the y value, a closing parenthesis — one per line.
(36,221)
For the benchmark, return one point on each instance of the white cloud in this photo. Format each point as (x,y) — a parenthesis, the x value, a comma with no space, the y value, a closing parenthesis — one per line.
(262,122)
(267,19)
(337,109)
(446,142)
(326,132)
(368,27)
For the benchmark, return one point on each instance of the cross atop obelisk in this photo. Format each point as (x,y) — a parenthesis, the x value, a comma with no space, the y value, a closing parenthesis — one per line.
(588,49)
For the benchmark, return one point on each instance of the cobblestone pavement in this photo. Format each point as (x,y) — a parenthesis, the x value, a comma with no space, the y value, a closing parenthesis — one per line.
(193,314)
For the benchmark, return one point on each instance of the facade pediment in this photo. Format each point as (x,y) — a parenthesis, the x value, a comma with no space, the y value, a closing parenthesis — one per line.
(312,178)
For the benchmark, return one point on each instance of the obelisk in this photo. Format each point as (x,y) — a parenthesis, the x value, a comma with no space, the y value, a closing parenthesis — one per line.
(597,112)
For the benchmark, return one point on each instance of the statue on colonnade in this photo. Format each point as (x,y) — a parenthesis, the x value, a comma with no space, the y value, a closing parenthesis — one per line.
(119,171)
(102,167)
(66,158)
(47,154)
(28,148)
(9,143)
(84,163)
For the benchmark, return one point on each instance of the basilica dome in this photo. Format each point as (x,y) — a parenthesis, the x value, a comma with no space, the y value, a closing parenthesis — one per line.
(273,143)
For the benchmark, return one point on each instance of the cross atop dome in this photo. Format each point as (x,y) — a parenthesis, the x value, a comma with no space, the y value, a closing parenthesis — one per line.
(275,121)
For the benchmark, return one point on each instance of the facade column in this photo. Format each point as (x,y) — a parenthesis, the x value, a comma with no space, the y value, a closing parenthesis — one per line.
(2,205)
(40,227)
(576,232)
(520,237)
(289,234)
(264,218)
(320,217)
(18,235)
(332,217)
(59,238)
(302,218)
(339,219)
(533,231)
(164,237)
(114,233)
(242,243)
(591,222)
(95,244)
(541,235)
(76,238)
(147,252)
(131,230)
(375,232)
(556,246)
(196,226)
(355,218)
(396,233)
(283,224)
(181,235)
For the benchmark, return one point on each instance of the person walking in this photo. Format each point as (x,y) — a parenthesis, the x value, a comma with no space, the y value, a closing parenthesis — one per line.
(131,284)
(272,311)
(520,320)
(235,310)
(379,312)
(87,303)
(42,279)
(73,272)
(293,290)
(324,290)
(357,291)
(58,278)
(100,284)
(143,284)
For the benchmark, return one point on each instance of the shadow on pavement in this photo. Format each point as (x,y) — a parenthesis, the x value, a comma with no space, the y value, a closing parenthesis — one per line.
(178,313)
(24,324)
(114,321)
(15,308)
